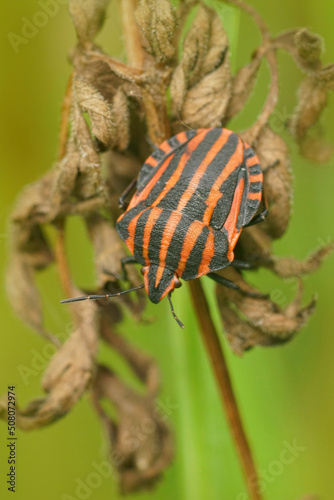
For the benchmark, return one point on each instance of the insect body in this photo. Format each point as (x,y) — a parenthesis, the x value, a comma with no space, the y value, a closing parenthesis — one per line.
(194,195)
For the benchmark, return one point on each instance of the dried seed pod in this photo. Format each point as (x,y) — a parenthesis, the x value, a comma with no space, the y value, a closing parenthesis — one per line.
(72,368)
(23,294)
(314,148)
(144,454)
(66,173)
(208,108)
(34,206)
(109,252)
(303,45)
(312,99)
(157,22)
(309,46)
(288,266)
(250,321)
(140,437)
(108,248)
(277,185)
(89,183)
(178,89)
(306,47)
(91,101)
(87,17)
(240,335)
(109,122)
(67,376)
(201,83)
(204,46)
(242,85)
(30,251)
(326,76)
(121,118)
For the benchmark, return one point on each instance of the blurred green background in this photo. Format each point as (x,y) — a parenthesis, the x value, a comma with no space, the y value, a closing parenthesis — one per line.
(285,394)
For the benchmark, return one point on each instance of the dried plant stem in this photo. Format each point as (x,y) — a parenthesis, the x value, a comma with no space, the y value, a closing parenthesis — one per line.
(156,117)
(271,101)
(216,355)
(63,269)
(65,119)
(254,14)
(132,39)
(268,52)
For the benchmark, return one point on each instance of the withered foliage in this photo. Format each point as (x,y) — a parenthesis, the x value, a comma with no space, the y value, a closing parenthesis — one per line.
(113,114)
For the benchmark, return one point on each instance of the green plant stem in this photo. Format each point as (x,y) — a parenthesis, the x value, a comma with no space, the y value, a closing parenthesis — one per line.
(219,366)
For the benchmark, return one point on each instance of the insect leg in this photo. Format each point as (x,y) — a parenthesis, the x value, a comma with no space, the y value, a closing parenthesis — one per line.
(241,264)
(103,296)
(121,200)
(230,284)
(124,262)
(258,218)
(173,312)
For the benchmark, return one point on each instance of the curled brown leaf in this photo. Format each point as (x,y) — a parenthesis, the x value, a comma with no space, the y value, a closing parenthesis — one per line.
(157,22)
(252,321)
(98,109)
(288,266)
(140,438)
(24,295)
(303,45)
(312,99)
(67,376)
(201,83)
(277,186)
(242,85)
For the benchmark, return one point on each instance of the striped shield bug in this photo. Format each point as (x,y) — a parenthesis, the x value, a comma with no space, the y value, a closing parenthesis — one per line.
(194,195)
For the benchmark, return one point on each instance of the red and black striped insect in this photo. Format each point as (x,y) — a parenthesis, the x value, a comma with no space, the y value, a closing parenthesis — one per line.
(195,194)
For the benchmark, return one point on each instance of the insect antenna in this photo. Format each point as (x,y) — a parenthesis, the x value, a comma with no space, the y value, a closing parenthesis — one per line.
(173,312)
(105,296)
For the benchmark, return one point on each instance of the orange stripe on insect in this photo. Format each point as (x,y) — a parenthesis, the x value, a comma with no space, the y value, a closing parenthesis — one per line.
(214,198)
(152,218)
(165,147)
(167,236)
(204,267)
(255,196)
(151,161)
(215,193)
(182,137)
(250,162)
(192,145)
(149,186)
(231,221)
(217,146)
(130,241)
(189,242)
(158,276)
(256,177)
